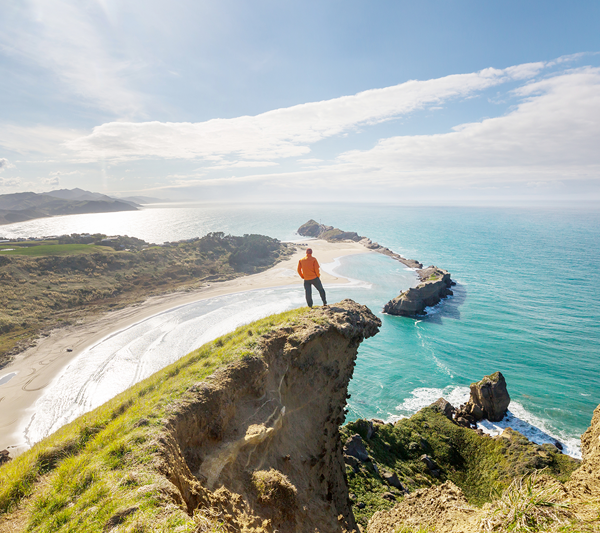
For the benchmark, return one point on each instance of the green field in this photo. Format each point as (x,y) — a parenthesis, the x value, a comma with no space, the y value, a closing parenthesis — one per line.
(51,249)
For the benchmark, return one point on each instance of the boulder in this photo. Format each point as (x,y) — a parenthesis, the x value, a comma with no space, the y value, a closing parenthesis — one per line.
(444,407)
(391,479)
(490,396)
(355,447)
(4,456)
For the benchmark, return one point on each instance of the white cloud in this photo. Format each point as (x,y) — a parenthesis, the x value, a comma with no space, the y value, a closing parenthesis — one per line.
(286,132)
(4,164)
(73,41)
(553,134)
(10,182)
(52,181)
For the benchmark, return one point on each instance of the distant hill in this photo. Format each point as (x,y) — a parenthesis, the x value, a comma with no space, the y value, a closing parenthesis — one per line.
(23,206)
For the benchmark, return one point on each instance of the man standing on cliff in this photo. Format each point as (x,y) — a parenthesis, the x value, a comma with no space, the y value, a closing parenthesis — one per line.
(308,268)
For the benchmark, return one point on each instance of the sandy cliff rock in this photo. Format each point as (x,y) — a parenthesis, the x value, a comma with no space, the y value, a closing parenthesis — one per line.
(259,445)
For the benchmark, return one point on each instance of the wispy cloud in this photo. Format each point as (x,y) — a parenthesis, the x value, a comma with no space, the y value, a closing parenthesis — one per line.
(552,132)
(76,43)
(286,132)
(4,164)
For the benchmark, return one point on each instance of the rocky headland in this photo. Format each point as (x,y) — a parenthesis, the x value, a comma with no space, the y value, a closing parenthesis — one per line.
(328,233)
(434,283)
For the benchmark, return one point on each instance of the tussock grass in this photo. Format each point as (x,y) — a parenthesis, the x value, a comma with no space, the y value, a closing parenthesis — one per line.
(530,504)
(102,466)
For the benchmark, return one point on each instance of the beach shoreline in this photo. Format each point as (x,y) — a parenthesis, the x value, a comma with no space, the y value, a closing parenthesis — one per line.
(34,369)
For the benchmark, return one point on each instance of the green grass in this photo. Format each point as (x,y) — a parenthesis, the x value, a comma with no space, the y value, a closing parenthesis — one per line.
(481,466)
(53,249)
(102,465)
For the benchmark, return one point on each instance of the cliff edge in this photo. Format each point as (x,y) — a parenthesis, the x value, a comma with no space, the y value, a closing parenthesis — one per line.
(240,435)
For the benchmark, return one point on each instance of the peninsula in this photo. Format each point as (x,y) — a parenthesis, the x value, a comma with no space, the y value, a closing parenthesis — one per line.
(434,283)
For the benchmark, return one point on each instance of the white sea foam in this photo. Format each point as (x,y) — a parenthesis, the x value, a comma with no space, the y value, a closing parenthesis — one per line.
(126,357)
(518,418)
(534,428)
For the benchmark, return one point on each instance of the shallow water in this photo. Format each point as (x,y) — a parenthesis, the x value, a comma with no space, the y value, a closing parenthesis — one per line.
(526,303)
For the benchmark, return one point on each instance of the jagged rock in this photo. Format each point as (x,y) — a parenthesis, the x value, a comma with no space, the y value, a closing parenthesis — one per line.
(491,396)
(435,285)
(430,463)
(355,447)
(391,479)
(444,407)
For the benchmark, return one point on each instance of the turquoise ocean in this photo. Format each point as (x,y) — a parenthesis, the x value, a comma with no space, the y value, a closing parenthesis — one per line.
(527,300)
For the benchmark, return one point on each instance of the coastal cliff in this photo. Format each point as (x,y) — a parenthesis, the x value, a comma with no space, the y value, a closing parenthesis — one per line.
(241,435)
(435,284)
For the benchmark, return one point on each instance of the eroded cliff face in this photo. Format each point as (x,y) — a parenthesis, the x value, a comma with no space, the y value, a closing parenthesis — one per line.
(257,447)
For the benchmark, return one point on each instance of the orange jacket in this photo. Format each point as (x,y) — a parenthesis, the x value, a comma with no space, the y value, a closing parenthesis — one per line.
(308,267)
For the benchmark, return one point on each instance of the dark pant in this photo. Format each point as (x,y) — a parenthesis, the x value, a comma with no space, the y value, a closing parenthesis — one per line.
(308,283)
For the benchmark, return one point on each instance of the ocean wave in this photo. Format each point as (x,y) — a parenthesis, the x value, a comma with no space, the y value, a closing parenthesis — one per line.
(517,418)
(534,428)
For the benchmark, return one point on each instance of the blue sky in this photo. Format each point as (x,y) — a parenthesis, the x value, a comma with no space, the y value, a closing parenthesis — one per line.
(440,102)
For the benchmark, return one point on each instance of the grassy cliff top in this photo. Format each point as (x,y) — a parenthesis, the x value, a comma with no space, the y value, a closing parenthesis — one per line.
(102,467)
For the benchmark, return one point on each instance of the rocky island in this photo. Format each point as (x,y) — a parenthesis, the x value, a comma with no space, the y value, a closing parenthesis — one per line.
(434,283)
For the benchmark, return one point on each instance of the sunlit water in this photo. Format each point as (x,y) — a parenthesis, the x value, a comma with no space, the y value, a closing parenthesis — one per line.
(526,304)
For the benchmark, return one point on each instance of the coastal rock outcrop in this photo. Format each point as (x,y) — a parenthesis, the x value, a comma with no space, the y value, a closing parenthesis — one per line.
(489,400)
(312,228)
(268,425)
(435,284)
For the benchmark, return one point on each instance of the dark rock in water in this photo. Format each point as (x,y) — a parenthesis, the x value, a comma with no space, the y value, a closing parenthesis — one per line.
(435,285)
(558,445)
(444,407)
(491,396)
(355,448)
(391,478)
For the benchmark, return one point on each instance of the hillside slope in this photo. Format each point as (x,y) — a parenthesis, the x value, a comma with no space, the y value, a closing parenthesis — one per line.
(255,447)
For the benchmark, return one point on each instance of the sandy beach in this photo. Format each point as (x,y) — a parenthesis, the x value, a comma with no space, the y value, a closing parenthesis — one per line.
(23,382)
